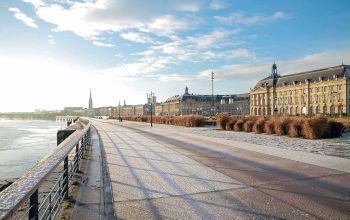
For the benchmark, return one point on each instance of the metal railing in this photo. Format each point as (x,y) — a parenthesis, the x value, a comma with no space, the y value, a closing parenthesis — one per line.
(39,194)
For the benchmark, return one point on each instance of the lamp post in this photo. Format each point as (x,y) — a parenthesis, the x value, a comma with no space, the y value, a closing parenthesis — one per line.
(150,97)
(119,111)
(212,92)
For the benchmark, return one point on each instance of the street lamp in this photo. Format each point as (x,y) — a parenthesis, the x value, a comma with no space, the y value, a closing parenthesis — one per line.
(212,92)
(150,97)
(119,111)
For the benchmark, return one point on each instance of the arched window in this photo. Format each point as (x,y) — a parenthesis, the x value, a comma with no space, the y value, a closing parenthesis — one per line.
(297,110)
(291,111)
(325,109)
(311,110)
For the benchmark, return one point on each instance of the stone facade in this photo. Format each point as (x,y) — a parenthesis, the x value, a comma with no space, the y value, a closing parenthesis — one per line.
(319,91)
(235,104)
(188,104)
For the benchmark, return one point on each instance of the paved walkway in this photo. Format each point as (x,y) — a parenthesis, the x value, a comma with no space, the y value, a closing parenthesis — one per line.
(161,175)
(93,199)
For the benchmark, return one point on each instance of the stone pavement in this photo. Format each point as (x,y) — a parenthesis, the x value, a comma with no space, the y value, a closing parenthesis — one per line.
(157,174)
(93,200)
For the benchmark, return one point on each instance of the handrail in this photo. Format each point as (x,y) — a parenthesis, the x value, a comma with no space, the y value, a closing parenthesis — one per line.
(22,189)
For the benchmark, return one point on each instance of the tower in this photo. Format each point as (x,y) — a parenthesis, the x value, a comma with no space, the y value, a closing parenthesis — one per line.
(90,101)
(186,90)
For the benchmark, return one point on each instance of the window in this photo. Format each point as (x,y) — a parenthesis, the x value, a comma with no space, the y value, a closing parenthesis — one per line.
(340,109)
(332,109)
(317,110)
(325,109)
(339,97)
(339,87)
(310,110)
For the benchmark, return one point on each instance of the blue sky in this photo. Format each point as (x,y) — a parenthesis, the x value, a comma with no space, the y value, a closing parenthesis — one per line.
(53,52)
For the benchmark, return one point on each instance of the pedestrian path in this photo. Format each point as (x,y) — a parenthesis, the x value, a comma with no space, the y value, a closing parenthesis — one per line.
(151,181)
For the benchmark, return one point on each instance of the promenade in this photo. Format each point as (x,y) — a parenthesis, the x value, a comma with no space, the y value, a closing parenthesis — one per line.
(159,173)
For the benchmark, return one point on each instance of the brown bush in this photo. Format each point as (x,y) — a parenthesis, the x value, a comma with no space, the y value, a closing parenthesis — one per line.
(238,125)
(230,124)
(315,128)
(269,126)
(222,119)
(248,126)
(281,125)
(344,121)
(258,127)
(295,127)
(336,129)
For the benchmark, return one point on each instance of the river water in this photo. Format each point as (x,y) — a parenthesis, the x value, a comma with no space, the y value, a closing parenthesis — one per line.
(23,143)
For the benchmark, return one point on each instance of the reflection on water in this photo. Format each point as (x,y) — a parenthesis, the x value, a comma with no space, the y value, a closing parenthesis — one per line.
(23,143)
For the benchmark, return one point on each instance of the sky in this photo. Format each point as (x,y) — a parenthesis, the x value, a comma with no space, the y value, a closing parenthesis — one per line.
(53,52)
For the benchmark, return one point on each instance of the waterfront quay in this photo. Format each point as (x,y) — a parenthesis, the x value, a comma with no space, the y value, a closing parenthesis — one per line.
(133,171)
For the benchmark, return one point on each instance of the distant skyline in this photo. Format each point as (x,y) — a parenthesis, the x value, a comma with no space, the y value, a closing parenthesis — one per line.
(53,52)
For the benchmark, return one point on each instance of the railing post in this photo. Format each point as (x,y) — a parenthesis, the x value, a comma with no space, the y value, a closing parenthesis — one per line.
(65,178)
(77,157)
(33,204)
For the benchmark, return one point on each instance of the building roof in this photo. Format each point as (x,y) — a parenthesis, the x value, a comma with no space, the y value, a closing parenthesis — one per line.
(312,76)
(237,96)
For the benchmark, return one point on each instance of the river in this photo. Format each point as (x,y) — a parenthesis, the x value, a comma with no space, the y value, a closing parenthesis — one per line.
(23,143)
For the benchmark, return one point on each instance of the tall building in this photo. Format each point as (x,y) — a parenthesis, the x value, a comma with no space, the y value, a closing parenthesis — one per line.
(90,101)
(324,91)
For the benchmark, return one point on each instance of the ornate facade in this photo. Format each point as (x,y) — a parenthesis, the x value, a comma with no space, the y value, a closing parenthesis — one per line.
(235,104)
(319,91)
(188,104)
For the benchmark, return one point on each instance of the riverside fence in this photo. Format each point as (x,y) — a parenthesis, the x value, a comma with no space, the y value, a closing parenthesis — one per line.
(39,194)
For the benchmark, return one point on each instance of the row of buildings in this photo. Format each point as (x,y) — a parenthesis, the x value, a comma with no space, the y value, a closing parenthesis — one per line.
(318,91)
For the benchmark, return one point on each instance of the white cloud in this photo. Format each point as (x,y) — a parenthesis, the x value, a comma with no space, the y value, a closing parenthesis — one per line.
(136,37)
(242,18)
(101,44)
(188,6)
(258,70)
(217,4)
(51,40)
(174,77)
(23,17)
(230,54)
(89,19)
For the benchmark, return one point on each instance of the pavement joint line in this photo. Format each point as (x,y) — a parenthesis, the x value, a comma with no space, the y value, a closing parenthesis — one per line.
(187,194)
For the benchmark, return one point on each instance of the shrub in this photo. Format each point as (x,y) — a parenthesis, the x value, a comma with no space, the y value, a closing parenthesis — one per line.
(248,126)
(258,127)
(230,124)
(238,125)
(195,121)
(336,129)
(281,125)
(295,127)
(269,126)
(222,119)
(315,128)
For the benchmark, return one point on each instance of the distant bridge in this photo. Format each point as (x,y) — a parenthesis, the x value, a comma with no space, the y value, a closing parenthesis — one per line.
(67,118)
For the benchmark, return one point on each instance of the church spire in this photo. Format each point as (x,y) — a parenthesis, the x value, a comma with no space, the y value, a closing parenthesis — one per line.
(90,101)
